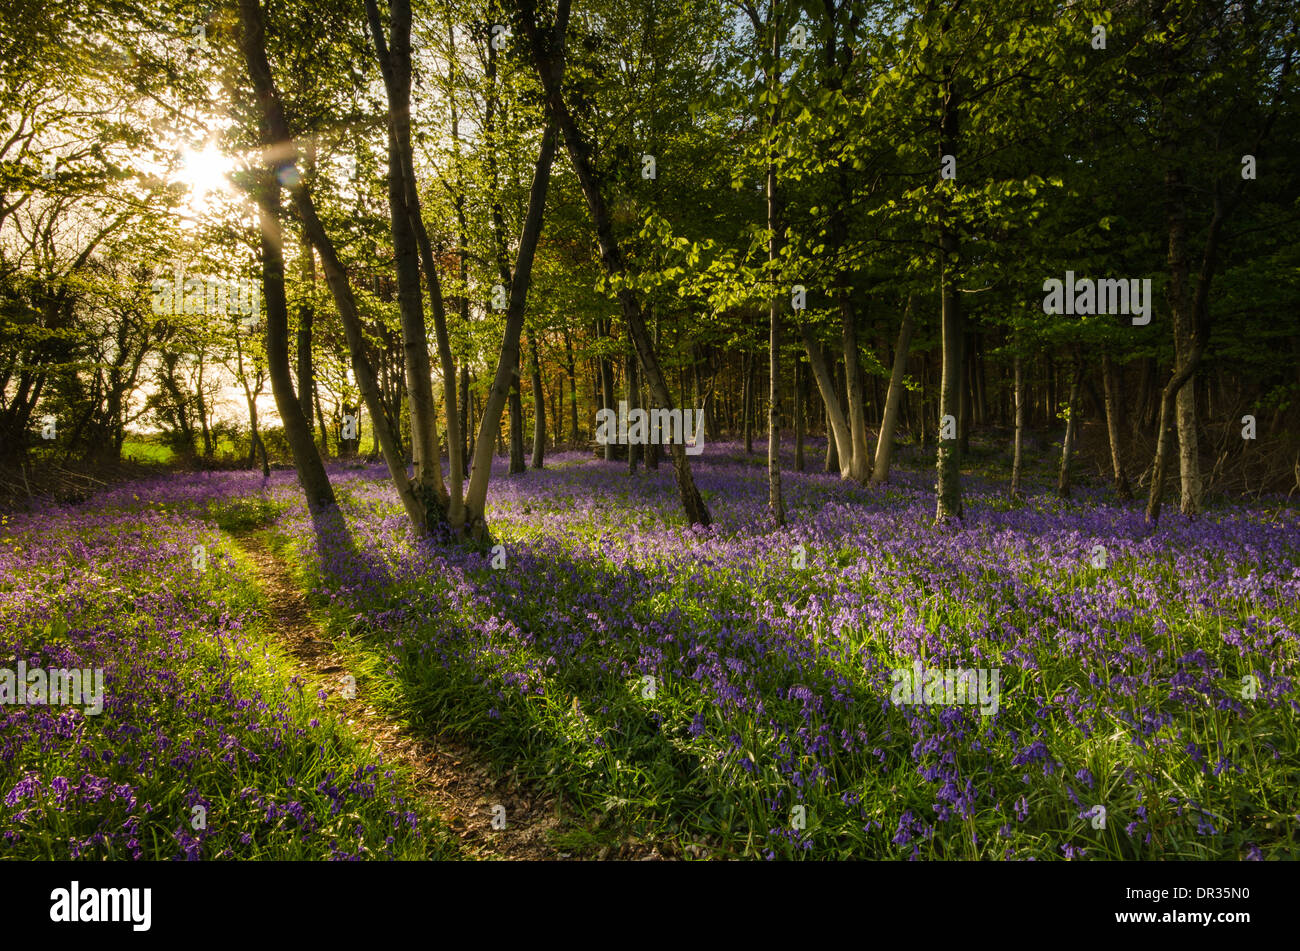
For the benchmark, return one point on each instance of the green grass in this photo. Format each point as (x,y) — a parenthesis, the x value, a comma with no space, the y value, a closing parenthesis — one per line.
(628,767)
(206,712)
(146,451)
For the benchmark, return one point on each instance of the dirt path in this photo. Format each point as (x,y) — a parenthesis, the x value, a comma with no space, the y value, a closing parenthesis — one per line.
(453,782)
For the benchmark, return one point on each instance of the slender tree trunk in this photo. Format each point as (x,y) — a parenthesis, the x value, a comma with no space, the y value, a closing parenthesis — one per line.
(859,464)
(923,401)
(839,449)
(964,419)
(461,434)
(653,449)
(1164,439)
(490,419)
(276,139)
(799,407)
(550,71)
(1071,428)
(1189,468)
(893,400)
(949,464)
(201,402)
(775,503)
(250,400)
(516,427)
(852,450)
(1020,428)
(633,401)
(320,419)
(573,393)
(1114,425)
(1142,411)
(747,402)
(403,201)
(556,412)
(949,501)
(832,462)
(704,397)
(306,317)
(306,309)
(466,419)
(1191,318)
(307,463)
(606,368)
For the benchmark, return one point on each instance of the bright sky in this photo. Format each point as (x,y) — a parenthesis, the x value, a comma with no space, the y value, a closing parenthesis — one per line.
(204,172)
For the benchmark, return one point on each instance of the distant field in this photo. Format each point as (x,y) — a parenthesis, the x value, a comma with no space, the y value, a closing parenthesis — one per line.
(139,450)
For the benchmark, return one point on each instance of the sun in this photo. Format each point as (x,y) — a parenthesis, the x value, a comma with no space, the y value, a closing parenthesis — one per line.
(204,172)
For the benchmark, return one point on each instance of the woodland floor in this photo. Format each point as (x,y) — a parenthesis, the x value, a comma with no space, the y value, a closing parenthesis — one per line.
(449,779)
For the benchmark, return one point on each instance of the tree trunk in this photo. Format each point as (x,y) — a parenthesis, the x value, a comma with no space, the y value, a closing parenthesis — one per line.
(306,310)
(277,141)
(490,420)
(1071,427)
(250,400)
(1191,316)
(1113,398)
(964,419)
(1020,428)
(306,317)
(403,202)
(948,491)
(859,461)
(654,450)
(839,449)
(573,393)
(606,368)
(747,402)
(516,427)
(775,503)
(799,406)
(461,434)
(1147,403)
(320,419)
(1184,321)
(893,400)
(704,398)
(633,402)
(201,402)
(1189,469)
(466,419)
(923,401)
(550,69)
(306,461)
(832,462)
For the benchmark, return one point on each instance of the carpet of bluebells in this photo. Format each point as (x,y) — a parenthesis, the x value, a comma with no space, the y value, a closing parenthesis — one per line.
(206,747)
(723,692)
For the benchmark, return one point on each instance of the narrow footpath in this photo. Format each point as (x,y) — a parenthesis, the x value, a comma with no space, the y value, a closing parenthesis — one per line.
(451,781)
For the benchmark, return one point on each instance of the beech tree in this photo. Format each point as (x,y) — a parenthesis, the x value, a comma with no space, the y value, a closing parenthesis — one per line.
(546,50)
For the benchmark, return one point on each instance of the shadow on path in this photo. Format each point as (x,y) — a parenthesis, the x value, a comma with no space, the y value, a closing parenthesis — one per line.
(451,780)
